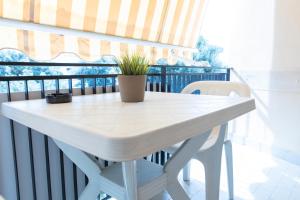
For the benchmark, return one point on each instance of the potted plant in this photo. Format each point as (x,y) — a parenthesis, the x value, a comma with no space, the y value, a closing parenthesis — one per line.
(132,80)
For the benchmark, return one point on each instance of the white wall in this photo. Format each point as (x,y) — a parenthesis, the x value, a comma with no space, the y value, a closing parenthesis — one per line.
(261,40)
(286,35)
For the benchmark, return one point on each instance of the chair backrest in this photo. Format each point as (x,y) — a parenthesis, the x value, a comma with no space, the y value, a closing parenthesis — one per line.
(222,88)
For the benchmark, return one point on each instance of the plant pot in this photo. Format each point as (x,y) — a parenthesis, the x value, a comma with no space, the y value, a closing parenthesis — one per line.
(132,88)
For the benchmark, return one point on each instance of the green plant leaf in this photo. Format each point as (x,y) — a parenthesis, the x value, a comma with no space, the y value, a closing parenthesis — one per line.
(134,64)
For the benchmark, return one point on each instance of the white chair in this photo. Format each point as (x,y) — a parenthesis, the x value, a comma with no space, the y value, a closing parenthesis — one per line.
(210,153)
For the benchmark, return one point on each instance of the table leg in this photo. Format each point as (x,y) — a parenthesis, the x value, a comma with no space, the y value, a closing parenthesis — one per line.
(130,179)
(180,159)
(88,167)
(91,191)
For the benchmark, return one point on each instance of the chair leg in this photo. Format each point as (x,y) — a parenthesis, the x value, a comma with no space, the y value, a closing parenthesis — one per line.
(229,165)
(212,169)
(186,175)
(211,159)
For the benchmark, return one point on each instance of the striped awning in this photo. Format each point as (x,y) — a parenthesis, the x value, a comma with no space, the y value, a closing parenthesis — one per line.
(171,22)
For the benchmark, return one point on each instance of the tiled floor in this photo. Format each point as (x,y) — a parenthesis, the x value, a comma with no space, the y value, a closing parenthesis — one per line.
(258,176)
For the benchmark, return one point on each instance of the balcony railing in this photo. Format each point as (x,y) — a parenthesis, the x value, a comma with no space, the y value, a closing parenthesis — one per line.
(36,168)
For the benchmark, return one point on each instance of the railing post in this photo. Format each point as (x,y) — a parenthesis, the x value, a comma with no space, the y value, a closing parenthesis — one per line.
(163,78)
(228,74)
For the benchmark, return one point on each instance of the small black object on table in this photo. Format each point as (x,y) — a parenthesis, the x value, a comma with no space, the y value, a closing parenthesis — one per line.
(54,98)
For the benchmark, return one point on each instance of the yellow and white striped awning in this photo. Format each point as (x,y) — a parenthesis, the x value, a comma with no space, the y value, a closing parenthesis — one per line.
(170,22)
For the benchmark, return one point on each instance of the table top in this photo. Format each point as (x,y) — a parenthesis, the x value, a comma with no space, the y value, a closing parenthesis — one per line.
(110,129)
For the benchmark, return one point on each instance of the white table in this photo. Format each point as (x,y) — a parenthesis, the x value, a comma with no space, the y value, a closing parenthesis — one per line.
(103,126)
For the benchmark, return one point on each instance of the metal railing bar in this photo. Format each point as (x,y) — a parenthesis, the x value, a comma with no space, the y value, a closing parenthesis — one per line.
(57,85)
(13,142)
(53,77)
(157,87)
(32,163)
(26,89)
(168,82)
(82,84)
(8,91)
(61,64)
(46,148)
(162,157)
(49,64)
(75,181)
(228,74)
(113,88)
(151,87)
(157,157)
(184,82)
(193,73)
(70,85)
(104,87)
(29,132)
(169,88)
(62,174)
(163,79)
(49,188)
(94,86)
(42,85)
(174,83)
